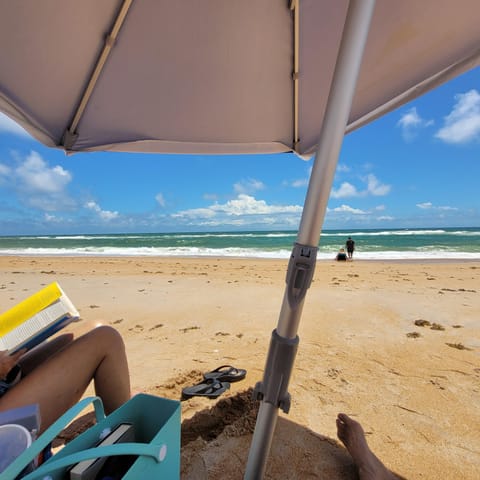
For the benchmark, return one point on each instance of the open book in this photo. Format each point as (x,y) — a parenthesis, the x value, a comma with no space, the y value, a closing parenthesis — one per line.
(36,318)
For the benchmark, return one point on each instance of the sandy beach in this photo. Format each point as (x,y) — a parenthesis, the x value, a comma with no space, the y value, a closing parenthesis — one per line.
(415,389)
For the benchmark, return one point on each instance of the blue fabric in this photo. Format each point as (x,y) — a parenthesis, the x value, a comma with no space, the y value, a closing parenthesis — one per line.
(12,378)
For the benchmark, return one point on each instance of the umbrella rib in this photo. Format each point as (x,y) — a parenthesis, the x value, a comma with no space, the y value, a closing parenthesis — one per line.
(295,7)
(70,136)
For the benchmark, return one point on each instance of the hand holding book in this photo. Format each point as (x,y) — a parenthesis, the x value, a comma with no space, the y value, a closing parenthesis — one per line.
(7,362)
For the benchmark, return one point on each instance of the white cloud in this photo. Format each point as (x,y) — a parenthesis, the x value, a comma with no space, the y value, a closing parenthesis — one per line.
(462,124)
(425,205)
(53,219)
(356,216)
(242,205)
(411,122)
(5,173)
(410,119)
(374,187)
(37,177)
(160,199)
(195,213)
(348,209)
(346,190)
(37,184)
(431,206)
(447,208)
(302,182)
(248,186)
(7,125)
(246,204)
(341,167)
(106,215)
(4,170)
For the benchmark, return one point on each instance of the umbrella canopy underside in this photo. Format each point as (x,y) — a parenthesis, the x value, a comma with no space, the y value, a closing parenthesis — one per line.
(215,77)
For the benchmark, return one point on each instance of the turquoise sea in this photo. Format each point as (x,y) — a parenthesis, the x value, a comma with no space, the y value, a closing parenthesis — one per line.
(395,244)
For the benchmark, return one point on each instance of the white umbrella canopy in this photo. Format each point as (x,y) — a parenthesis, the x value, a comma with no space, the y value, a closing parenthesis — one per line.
(224,77)
(214,76)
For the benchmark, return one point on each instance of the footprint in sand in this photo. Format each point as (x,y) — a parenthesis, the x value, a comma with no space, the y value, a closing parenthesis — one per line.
(413,335)
(458,346)
(137,328)
(437,384)
(179,381)
(185,330)
(159,325)
(333,372)
(425,323)
(422,323)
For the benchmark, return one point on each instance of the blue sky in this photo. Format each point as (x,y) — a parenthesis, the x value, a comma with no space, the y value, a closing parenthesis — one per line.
(416,167)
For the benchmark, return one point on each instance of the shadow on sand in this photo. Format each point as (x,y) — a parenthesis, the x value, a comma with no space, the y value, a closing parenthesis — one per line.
(216,443)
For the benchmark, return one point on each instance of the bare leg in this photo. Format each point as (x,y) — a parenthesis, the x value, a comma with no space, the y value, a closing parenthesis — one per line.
(351,433)
(39,354)
(61,380)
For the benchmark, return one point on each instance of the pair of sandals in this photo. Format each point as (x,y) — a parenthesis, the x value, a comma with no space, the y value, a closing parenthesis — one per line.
(215,382)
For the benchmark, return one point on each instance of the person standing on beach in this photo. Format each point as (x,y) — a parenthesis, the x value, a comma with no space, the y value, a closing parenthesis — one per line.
(350,244)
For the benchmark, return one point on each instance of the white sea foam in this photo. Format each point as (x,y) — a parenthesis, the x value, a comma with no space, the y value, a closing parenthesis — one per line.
(407,232)
(235,252)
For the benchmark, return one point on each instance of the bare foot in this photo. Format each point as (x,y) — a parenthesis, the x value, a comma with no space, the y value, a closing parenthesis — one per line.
(351,433)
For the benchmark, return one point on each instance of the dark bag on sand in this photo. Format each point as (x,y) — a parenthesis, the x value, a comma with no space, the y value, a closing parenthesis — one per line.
(156,448)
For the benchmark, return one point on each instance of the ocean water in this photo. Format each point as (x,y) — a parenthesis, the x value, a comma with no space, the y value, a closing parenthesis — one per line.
(395,244)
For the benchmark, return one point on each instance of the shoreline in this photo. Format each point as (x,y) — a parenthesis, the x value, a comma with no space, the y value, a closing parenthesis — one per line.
(235,258)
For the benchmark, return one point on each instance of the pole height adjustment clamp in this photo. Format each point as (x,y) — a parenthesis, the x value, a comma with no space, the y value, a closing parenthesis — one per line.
(301,268)
(281,357)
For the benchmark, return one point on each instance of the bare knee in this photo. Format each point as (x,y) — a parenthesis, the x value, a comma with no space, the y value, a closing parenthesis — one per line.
(107,336)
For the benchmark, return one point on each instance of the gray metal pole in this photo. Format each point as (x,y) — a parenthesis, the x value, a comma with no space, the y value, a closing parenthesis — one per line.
(281,355)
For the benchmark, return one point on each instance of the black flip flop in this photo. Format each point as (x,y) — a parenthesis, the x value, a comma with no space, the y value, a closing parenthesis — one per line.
(211,388)
(226,373)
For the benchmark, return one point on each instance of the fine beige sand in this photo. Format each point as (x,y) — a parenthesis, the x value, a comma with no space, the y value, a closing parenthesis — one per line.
(415,389)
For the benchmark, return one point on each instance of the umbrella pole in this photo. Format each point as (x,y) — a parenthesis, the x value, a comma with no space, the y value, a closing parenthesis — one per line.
(272,391)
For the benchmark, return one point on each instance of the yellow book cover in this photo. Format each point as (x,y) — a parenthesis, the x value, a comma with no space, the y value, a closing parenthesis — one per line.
(30,306)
